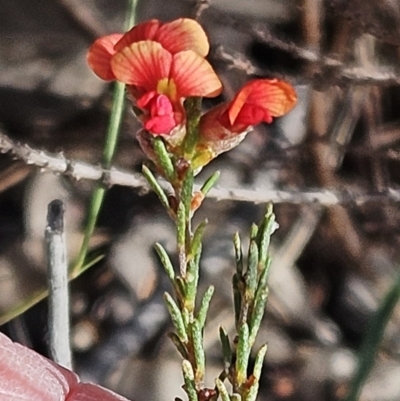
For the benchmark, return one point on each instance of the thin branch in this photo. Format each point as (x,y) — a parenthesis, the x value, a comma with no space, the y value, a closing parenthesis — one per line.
(199,7)
(58,163)
(80,170)
(88,19)
(265,36)
(322,196)
(330,67)
(383,76)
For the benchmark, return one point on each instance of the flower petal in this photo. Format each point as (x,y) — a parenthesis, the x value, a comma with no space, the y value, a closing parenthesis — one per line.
(100,54)
(273,96)
(142,64)
(92,392)
(26,375)
(210,127)
(145,31)
(194,76)
(183,34)
(160,118)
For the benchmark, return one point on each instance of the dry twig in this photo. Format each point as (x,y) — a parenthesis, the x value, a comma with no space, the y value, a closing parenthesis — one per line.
(79,170)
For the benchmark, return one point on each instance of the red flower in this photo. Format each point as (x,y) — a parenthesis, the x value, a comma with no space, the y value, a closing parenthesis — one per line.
(225,126)
(162,64)
(258,101)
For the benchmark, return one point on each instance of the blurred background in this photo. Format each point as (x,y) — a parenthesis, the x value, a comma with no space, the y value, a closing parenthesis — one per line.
(336,252)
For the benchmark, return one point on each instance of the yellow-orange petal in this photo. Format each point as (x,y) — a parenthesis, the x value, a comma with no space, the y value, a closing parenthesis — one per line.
(100,54)
(142,64)
(274,96)
(183,34)
(194,76)
(144,31)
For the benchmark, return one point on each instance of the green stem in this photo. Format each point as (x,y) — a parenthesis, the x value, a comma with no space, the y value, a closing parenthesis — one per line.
(372,340)
(108,153)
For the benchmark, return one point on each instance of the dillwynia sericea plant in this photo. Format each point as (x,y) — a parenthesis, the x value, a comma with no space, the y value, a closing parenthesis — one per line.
(167,75)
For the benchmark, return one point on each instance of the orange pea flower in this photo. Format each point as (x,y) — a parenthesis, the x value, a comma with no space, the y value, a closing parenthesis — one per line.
(162,64)
(225,126)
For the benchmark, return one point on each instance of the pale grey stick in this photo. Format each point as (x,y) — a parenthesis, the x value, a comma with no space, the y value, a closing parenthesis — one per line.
(59,326)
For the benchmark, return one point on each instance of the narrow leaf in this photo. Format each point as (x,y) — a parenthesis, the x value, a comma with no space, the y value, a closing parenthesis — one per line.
(180,288)
(210,182)
(223,392)
(204,306)
(188,375)
(237,298)
(253,231)
(181,224)
(242,354)
(176,317)
(253,391)
(260,301)
(181,238)
(372,339)
(164,159)
(166,261)
(226,347)
(197,238)
(155,186)
(258,364)
(267,227)
(198,348)
(187,191)
(252,273)
(257,315)
(238,253)
(186,317)
(192,280)
(178,344)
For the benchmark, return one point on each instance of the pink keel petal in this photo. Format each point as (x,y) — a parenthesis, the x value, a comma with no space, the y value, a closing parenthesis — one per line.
(91,392)
(161,114)
(26,376)
(160,124)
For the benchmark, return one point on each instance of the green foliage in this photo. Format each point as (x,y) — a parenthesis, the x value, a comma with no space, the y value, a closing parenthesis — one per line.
(163,159)
(250,294)
(372,340)
(249,281)
(155,186)
(209,183)
(193,111)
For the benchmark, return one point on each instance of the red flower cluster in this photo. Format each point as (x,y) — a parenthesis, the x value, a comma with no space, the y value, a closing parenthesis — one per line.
(163,64)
